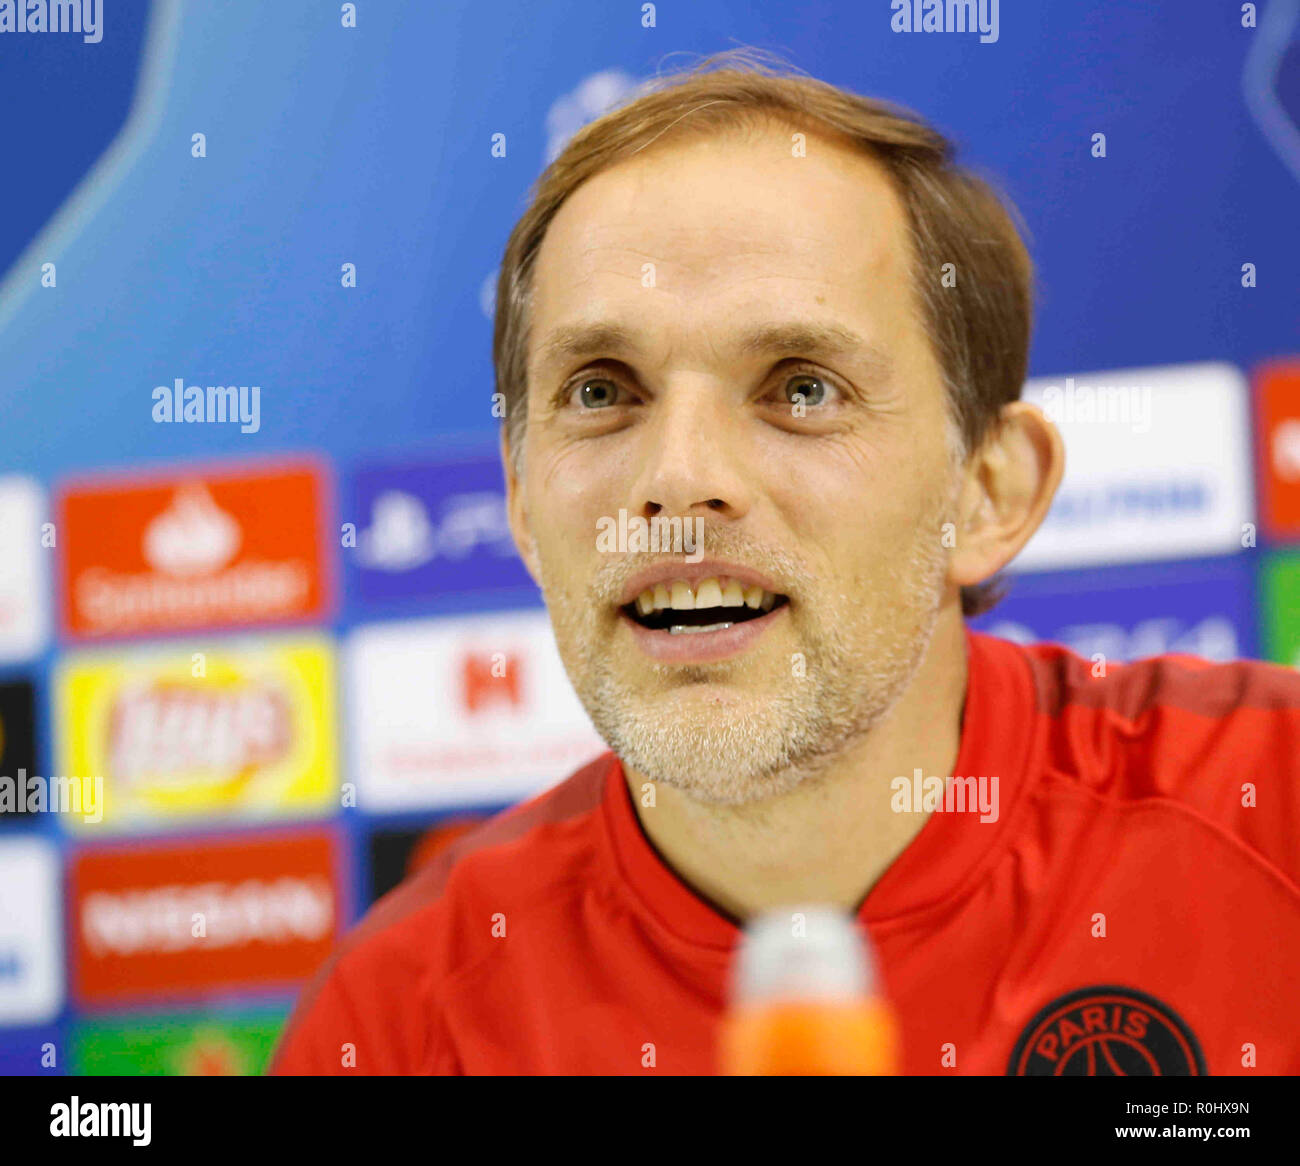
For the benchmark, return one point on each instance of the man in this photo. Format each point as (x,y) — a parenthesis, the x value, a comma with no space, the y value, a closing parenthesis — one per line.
(759,302)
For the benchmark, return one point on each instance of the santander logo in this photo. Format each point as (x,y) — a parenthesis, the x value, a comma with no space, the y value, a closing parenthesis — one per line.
(193,536)
(194,550)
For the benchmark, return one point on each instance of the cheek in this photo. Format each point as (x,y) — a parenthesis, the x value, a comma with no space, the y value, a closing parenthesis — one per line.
(835,490)
(857,514)
(589,472)
(568,494)
(561,474)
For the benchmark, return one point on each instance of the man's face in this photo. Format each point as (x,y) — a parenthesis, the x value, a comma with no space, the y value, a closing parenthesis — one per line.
(820,463)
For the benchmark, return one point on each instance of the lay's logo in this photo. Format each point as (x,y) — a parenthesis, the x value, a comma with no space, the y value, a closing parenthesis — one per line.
(224,734)
(242,731)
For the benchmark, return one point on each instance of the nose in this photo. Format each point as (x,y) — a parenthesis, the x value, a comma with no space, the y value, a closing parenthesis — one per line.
(692,457)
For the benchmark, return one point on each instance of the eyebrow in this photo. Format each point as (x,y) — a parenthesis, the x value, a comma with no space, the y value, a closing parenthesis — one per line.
(573,342)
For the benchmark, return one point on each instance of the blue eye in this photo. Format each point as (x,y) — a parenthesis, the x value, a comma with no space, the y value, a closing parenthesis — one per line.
(812,389)
(597,393)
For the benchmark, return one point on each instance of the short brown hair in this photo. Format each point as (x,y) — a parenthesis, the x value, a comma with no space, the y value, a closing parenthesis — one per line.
(979,326)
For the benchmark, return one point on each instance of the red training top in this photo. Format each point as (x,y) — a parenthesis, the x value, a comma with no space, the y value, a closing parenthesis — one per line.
(1134,908)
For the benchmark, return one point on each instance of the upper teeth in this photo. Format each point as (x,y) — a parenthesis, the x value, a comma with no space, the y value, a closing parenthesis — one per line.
(711,592)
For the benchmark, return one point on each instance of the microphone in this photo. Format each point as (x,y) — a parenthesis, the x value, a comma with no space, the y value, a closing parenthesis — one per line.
(805,1000)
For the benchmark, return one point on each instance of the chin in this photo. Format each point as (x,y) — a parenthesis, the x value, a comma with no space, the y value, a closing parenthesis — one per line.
(707,710)
(722,780)
(726,748)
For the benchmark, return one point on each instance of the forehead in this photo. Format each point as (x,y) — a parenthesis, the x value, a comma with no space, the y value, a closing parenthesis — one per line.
(729,222)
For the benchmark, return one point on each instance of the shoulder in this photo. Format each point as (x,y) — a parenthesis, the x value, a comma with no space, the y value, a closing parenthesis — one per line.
(1217,740)
(381,983)
(1170,706)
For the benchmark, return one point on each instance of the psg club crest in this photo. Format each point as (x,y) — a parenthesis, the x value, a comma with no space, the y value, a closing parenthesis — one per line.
(1107,1032)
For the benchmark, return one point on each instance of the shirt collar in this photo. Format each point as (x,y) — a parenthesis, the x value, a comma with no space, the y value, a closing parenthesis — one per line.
(949,853)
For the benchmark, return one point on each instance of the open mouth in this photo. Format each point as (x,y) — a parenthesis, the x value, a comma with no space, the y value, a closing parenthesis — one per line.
(711,605)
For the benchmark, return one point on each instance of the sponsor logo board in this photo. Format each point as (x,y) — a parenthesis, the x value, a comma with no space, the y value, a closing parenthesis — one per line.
(198,1044)
(472,710)
(1280,607)
(24,570)
(1277,413)
(31,932)
(239,729)
(1129,613)
(1158,466)
(17,745)
(430,530)
(193,550)
(202,916)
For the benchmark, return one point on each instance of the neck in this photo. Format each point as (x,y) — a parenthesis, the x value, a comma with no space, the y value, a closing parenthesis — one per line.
(830,839)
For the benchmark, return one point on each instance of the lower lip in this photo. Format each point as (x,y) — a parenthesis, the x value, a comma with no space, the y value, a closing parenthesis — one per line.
(701,647)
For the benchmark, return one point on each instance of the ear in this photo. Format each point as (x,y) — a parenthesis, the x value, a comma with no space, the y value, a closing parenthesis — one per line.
(516,514)
(1009,485)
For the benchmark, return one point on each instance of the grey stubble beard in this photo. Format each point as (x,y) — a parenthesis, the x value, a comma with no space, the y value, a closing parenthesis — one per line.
(795,730)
